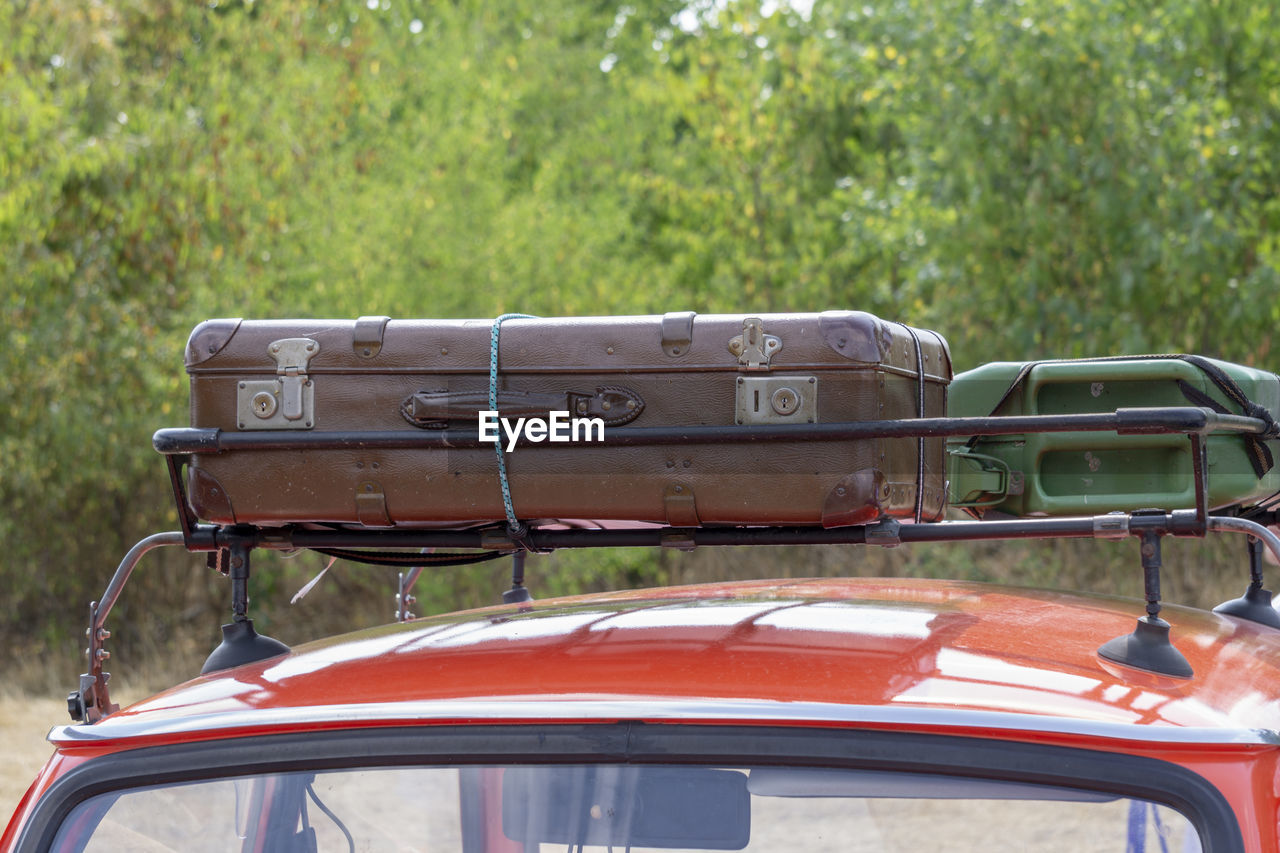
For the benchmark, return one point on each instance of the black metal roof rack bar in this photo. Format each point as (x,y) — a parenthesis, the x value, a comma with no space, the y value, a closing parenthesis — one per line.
(186,516)
(1153,421)
(1200,475)
(1181,523)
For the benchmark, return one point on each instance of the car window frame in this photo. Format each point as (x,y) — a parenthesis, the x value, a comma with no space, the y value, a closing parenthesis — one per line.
(634,742)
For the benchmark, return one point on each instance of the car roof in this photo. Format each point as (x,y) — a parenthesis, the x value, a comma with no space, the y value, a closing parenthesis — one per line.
(876,652)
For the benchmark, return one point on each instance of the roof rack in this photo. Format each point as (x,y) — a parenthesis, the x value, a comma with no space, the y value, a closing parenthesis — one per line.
(1147,648)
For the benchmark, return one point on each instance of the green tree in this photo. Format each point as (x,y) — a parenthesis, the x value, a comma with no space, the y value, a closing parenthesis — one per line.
(1029,177)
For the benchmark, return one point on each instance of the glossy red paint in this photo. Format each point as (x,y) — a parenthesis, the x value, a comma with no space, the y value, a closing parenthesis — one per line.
(869,643)
(905,654)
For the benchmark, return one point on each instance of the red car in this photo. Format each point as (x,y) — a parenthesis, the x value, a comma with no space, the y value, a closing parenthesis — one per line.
(787,715)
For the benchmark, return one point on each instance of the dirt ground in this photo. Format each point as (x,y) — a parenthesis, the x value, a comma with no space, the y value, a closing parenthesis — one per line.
(24,721)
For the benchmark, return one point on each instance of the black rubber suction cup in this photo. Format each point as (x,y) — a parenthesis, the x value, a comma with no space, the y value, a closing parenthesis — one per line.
(1148,648)
(241,644)
(516,595)
(1254,605)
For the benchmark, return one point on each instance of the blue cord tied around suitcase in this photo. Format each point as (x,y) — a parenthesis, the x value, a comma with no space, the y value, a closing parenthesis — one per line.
(516,529)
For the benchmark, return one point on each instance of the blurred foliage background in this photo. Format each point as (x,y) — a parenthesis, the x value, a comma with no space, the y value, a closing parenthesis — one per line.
(1031,177)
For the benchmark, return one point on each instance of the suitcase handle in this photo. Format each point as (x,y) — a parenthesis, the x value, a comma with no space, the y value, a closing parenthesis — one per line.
(434,409)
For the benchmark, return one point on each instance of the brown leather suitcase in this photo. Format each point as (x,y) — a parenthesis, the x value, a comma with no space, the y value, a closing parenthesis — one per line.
(375,422)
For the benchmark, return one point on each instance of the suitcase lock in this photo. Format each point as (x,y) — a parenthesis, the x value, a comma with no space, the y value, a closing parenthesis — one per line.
(287,402)
(776,399)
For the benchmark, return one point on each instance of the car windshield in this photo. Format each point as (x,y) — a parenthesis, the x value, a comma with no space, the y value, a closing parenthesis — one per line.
(604,807)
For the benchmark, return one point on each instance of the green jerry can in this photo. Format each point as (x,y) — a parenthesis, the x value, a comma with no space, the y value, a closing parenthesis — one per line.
(1089,473)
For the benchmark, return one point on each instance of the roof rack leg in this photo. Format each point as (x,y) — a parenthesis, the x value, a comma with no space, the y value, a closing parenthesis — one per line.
(240,644)
(91,702)
(1255,605)
(519,593)
(238,571)
(1200,472)
(404,597)
(1148,647)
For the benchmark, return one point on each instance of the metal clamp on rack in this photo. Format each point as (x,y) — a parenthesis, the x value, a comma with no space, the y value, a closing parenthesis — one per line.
(91,702)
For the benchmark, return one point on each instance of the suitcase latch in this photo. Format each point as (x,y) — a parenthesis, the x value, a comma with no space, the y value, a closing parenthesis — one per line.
(753,347)
(287,402)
